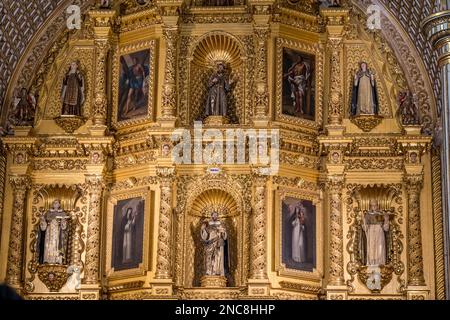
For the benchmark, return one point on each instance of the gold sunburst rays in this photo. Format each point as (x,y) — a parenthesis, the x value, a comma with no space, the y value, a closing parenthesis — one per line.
(215,48)
(214,200)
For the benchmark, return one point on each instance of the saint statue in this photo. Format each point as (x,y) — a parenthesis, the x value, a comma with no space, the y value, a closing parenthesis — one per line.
(214,237)
(407,110)
(219,85)
(299,77)
(374,242)
(72,94)
(24,108)
(364,94)
(299,233)
(129,232)
(53,240)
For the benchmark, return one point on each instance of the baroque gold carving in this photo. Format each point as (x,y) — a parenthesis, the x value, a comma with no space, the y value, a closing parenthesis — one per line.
(94,188)
(259,250)
(70,123)
(20,185)
(389,198)
(415,266)
(164,253)
(54,276)
(366,123)
(335,184)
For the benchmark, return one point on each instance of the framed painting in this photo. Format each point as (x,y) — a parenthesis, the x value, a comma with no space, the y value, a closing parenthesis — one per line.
(133,74)
(128,234)
(299,83)
(298,234)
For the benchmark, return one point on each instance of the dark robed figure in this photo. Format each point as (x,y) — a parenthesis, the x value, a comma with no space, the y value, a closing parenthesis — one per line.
(218,87)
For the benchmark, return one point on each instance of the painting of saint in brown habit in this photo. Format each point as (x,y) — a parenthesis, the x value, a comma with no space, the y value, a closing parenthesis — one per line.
(128,231)
(298,90)
(134,85)
(299,234)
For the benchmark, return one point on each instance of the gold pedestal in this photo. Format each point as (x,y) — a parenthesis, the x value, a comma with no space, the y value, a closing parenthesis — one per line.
(213,282)
(366,122)
(70,123)
(216,120)
(54,276)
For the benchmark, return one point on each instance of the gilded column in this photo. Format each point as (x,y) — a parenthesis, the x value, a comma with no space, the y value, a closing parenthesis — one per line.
(335,103)
(335,184)
(169,13)
(94,188)
(169,98)
(336,18)
(413,185)
(20,184)
(258,284)
(102,30)
(436,29)
(261,27)
(259,245)
(163,276)
(2,184)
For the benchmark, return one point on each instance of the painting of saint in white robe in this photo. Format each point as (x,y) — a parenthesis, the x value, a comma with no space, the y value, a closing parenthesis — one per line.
(299,234)
(128,225)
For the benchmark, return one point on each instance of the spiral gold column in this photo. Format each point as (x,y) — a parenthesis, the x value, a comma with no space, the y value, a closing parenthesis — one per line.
(437,28)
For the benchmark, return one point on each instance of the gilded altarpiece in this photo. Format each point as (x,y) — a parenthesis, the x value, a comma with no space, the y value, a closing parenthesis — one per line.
(334,165)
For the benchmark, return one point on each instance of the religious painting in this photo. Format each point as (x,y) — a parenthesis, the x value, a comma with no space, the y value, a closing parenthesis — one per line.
(128,232)
(298,84)
(298,234)
(134,85)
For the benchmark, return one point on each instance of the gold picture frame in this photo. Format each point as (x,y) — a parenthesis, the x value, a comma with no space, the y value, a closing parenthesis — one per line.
(126,50)
(145,265)
(319,54)
(282,270)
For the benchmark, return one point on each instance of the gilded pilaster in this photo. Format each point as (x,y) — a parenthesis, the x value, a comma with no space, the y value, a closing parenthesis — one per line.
(435,28)
(94,188)
(171,36)
(102,31)
(261,27)
(258,283)
(165,256)
(335,184)
(20,184)
(413,185)
(336,19)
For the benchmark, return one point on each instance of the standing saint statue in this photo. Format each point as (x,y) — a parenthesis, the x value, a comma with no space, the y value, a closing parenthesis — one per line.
(214,235)
(72,94)
(219,85)
(364,94)
(53,240)
(299,233)
(375,224)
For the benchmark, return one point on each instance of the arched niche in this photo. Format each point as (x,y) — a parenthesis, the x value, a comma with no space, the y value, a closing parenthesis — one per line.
(214,47)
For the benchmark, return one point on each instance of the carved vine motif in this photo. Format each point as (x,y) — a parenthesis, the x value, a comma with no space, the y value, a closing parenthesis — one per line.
(357,200)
